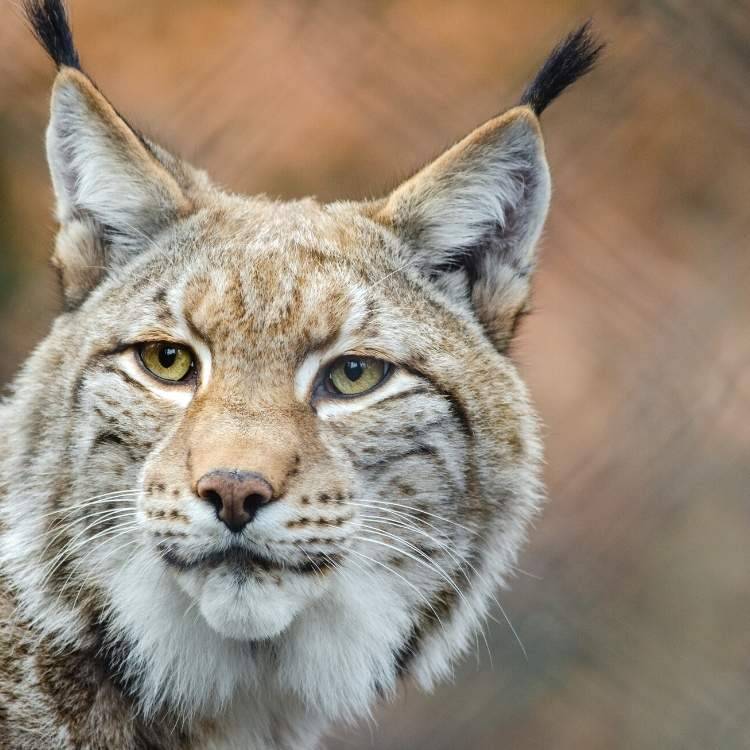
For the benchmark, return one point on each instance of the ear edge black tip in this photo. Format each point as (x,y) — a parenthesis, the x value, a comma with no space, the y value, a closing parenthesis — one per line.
(50,24)
(570,60)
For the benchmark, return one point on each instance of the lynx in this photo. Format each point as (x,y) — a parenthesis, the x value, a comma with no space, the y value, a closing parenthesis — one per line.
(273,457)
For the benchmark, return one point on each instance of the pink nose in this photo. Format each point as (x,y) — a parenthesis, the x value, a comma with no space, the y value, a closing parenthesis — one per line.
(236,495)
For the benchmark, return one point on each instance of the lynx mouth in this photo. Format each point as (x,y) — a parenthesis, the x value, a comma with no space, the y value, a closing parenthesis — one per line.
(246,560)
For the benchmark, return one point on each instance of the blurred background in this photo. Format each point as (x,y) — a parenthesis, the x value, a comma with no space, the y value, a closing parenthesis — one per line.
(635,608)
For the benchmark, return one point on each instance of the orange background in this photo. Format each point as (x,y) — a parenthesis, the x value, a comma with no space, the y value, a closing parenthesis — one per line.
(635,613)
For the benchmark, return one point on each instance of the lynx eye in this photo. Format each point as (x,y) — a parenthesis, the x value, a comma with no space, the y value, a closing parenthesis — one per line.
(353,376)
(170,362)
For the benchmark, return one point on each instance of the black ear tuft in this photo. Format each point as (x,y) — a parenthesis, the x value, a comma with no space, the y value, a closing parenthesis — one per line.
(49,23)
(570,60)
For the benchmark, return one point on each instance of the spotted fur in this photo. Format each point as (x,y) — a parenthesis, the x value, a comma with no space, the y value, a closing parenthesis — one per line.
(131,617)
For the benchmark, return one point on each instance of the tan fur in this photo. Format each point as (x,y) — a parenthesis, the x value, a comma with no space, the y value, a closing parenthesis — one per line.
(395,515)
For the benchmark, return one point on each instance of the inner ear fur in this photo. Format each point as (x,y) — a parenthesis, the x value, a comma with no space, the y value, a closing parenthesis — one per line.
(471,219)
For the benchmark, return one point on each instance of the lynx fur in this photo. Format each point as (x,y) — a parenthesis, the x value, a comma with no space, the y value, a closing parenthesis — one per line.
(132,614)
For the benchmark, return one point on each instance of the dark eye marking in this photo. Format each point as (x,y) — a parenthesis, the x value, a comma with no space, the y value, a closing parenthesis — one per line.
(130,381)
(421,449)
(420,390)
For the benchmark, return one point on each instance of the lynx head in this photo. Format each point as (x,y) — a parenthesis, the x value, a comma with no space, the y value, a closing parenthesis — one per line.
(269,441)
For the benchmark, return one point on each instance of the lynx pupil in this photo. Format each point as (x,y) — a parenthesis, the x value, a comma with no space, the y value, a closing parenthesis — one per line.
(353,369)
(167,356)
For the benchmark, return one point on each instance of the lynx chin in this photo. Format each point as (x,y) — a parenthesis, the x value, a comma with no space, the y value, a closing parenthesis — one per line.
(273,457)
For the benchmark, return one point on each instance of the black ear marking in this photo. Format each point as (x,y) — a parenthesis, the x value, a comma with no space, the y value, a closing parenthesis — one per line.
(570,60)
(51,26)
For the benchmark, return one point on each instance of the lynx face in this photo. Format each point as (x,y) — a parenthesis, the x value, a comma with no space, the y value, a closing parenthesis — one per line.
(282,332)
(262,422)
(266,329)
(274,452)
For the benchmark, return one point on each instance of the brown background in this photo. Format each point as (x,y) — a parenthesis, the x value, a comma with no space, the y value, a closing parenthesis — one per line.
(636,612)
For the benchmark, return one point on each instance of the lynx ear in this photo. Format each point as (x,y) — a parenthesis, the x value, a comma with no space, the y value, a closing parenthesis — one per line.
(113,195)
(471,219)
(114,190)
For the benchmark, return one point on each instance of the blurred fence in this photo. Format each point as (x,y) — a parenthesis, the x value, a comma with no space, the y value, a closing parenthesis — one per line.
(635,611)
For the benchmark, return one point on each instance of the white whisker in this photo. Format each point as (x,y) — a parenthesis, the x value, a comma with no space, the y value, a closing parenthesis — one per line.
(109,536)
(102,515)
(108,555)
(73,545)
(108,497)
(427,563)
(420,511)
(405,580)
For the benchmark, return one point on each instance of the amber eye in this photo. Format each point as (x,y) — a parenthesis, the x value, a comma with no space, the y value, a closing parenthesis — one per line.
(353,376)
(170,362)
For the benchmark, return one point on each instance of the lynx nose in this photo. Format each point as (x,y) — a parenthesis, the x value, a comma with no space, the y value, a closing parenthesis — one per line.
(236,495)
